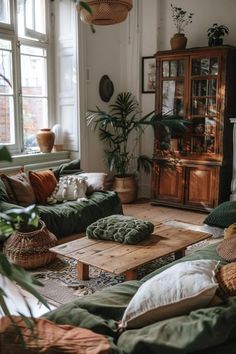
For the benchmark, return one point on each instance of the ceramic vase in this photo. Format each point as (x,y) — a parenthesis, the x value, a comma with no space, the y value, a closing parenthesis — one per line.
(45,138)
(178,41)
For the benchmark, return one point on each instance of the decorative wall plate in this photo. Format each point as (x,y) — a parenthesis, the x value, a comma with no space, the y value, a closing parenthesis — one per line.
(106,88)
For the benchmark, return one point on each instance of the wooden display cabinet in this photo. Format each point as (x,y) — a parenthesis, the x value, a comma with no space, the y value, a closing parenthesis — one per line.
(199,85)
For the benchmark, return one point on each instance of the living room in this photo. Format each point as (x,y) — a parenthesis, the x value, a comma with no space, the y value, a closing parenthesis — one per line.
(81,59)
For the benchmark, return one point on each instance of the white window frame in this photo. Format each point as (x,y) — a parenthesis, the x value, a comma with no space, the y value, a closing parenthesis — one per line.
(10,32)
(32,33)
(9,26)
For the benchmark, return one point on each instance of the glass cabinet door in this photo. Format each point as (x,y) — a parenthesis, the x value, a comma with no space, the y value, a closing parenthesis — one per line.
(203,111)
(172,74)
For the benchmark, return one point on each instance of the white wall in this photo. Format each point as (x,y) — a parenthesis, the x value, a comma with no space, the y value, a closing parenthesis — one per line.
(106,53)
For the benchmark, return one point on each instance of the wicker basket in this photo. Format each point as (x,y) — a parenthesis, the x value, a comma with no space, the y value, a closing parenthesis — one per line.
(106,12)
(30,250)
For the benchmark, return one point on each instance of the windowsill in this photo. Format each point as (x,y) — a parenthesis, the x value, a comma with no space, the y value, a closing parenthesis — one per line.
(22,159)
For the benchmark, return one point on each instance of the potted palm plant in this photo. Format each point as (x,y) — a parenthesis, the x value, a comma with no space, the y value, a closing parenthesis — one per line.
(120,129)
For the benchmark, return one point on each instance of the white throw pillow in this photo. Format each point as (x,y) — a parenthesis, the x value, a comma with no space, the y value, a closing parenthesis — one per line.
(70,187)
(176,291)
(96,180)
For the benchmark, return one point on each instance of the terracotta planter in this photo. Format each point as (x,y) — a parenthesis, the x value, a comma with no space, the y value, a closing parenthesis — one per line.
(45,138)
(178,41)
(126,188)
(30,249)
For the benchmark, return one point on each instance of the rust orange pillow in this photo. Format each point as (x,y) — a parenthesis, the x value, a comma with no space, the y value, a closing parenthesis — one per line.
(43,183)
(50,338)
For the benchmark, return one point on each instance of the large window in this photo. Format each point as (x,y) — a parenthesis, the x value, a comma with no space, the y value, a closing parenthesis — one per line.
(24,46)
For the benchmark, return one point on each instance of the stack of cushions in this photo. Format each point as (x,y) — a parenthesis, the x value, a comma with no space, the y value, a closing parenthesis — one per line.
(42,187)
(120,228)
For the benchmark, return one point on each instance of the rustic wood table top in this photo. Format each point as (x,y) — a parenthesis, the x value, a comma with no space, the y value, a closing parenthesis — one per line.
(118,258)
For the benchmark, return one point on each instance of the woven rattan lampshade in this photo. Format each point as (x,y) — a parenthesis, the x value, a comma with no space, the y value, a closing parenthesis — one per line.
(106,12)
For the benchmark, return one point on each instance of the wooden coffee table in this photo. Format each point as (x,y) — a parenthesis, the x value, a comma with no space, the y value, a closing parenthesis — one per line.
(118,258)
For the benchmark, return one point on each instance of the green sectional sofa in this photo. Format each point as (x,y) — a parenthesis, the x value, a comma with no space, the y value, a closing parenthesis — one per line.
(65,219)
(71,217)
(205,330)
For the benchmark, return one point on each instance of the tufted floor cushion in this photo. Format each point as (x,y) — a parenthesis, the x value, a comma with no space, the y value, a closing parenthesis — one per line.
(120,228)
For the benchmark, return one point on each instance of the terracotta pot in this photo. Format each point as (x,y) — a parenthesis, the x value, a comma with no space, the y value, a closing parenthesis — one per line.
(126,188)
(45,138)
(178,41)
(30,249)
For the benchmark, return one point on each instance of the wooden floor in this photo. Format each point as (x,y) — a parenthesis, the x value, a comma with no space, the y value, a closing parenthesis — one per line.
(144,210)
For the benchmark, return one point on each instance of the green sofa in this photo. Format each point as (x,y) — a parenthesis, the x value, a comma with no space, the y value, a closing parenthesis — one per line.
(71,217)
(207,330)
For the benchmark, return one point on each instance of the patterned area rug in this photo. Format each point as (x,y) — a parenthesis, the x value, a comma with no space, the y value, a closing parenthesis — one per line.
(62,285)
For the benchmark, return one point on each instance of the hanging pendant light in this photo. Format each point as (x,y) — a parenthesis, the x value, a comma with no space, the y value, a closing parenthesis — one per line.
(106,12)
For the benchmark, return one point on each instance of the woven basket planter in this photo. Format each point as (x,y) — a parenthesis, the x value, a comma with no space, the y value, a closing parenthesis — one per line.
(31,249)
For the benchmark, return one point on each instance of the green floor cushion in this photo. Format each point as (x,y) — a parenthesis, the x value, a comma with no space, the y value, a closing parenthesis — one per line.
(120,228)
(223,215)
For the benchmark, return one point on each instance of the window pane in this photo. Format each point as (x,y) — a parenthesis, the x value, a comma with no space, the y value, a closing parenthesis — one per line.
(6,81)
(35,15)
(34,117)
(4,11)
(6,120)
(41,52)
(33,74)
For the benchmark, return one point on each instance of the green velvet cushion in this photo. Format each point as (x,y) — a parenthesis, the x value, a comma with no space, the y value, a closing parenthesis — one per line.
(223,215)
(68,168)
(123,229)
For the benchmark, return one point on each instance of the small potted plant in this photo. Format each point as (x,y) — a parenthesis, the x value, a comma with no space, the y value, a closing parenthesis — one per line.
(181,19)
(29,241)
(216,33)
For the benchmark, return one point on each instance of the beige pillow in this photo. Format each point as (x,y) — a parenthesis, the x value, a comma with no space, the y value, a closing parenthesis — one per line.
(19,189)
(96,180)
(176,291)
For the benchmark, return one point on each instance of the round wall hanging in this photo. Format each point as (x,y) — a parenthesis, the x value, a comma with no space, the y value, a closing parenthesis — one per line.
(106,88)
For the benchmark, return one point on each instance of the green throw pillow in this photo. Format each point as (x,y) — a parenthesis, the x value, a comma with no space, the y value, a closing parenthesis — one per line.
(123,229)
(223,215)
